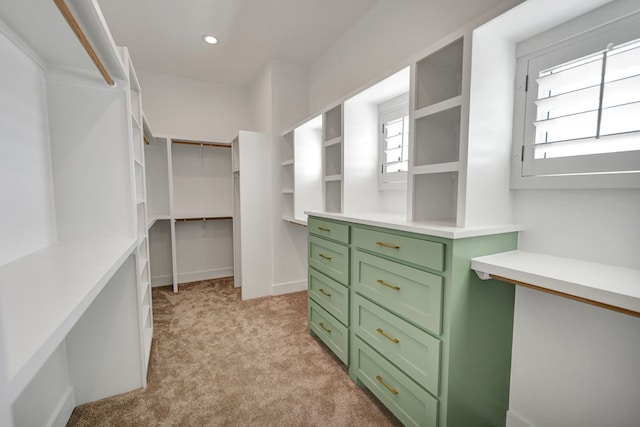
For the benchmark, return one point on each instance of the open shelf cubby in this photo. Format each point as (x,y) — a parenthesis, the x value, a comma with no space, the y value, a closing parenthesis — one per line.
(286,148)
(437,138)
(333,196)
(439,75)
(333,123)
(435,197)
(333,160)
(287,177)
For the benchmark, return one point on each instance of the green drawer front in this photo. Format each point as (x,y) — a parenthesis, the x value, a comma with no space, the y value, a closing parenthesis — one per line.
(410,403)
(329,230)
(417,251)
(413,294)
(413,351)
(330,331)
(330,295)
(329,258)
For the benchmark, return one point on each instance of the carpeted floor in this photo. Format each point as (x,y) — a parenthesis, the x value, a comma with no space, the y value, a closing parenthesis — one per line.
(219,361)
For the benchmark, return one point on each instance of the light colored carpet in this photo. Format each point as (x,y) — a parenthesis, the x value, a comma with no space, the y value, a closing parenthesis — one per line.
(219,361)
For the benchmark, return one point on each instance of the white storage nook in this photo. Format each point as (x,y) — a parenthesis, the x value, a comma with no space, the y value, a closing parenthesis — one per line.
(75,303)
(190,209)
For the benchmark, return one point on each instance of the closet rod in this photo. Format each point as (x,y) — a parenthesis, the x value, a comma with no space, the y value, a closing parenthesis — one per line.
(206,144)
(212,218)
(68,16)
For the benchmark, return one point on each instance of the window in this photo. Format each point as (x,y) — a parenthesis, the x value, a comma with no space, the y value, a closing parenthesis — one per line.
(394,143)
(582,104)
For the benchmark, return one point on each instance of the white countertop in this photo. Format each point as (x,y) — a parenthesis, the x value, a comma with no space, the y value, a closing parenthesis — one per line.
(399,222)
(607,284)
(42,296)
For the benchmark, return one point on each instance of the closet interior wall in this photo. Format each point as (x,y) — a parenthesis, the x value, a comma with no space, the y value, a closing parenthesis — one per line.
(190,210)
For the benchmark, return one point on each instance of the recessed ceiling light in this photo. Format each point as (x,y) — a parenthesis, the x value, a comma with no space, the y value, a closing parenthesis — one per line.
(209,39)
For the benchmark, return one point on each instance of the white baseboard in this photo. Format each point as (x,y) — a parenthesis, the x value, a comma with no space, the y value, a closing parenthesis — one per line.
(192,276)
(289,287)
(515,420)
(165,280)
(215,273)
(63,410)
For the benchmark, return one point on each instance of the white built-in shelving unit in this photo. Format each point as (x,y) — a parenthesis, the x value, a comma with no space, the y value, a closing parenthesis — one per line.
(134,105)
(333,159)
(301,170)
(436,110)
(252,246)
(72,262)
(190,210)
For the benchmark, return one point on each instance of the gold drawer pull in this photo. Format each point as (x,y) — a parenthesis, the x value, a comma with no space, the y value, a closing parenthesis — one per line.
(324,229)
(328,258)
(393,340)
(383,283)
(324,327)
(392,390)
(322,291)
(387,245)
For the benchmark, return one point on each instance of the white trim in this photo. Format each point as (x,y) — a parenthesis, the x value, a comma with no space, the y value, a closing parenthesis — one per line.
(63,410)
(289,287)
(515,420)
(195,276)
(20,44)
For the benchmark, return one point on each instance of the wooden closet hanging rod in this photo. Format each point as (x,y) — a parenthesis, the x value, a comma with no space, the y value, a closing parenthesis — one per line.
(568,296)
(68,16)
(212,218)
(206,144)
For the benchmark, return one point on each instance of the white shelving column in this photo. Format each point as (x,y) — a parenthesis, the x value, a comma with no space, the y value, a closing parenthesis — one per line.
(438,109)
(333,159)
(142,250)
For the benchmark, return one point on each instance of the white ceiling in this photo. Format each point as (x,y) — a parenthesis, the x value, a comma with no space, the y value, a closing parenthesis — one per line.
(164,35)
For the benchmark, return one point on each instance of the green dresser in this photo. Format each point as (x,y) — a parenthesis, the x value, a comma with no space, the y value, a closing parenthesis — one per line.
(412,321)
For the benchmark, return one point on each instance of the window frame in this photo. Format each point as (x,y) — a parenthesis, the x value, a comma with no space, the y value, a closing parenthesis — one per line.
(607,170)
(399,182)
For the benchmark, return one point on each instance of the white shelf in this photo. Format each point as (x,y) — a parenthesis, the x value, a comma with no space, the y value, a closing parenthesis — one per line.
(600,283)
(333,141)
(447,104)
(287,162)
(295,221)
(42,296)
(436,168)
(330,178)
(287,190)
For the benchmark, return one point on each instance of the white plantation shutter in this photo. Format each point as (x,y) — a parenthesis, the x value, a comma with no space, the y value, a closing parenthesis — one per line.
(584,112)
(394,145)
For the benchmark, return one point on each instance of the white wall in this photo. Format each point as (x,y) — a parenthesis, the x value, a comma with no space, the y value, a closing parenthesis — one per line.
(194,110)
(391,32)
(290,90)
(27,222)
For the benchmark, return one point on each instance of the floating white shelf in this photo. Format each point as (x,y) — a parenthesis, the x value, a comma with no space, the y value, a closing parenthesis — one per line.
(590,282)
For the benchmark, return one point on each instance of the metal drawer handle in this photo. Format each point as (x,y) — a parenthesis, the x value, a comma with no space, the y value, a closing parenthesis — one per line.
(393,340)
(383,283)
(328,258)
(324,229)
(322,291)
(392,390)
(324,327)
(387,245)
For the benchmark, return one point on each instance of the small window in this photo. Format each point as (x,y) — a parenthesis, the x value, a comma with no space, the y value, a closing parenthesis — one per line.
(582,105)
(394,143)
